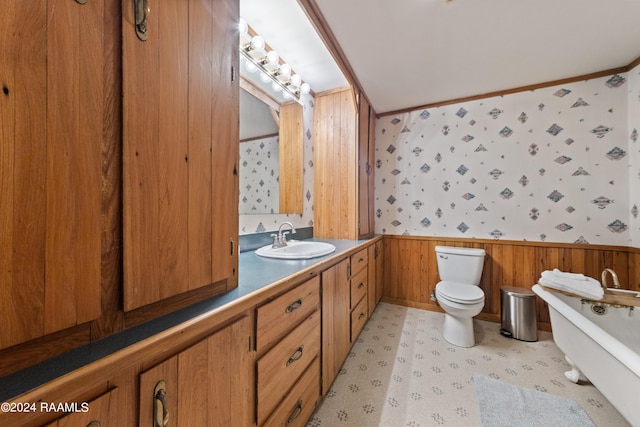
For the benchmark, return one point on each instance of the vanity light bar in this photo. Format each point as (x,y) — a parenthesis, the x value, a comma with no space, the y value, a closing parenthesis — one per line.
(256,52)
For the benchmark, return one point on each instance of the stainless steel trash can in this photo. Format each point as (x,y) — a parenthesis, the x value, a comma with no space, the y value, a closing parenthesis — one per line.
(518,313)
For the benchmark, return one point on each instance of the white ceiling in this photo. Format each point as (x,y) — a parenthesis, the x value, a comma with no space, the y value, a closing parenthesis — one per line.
(409,53)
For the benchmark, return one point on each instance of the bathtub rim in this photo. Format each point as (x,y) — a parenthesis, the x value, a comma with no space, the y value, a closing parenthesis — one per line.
(612,345)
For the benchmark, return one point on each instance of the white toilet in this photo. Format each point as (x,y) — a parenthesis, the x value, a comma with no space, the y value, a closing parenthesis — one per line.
(458,292)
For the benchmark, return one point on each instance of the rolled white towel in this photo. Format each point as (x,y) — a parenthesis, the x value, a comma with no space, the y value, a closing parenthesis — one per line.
(566,275)
(588,288)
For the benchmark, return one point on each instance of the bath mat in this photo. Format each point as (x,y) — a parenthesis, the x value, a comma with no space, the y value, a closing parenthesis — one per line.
(502,404)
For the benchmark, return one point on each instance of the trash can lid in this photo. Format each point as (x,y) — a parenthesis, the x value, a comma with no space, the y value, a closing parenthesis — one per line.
(518,292)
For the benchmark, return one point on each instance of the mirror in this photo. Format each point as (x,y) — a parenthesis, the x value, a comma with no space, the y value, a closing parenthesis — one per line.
(271,151)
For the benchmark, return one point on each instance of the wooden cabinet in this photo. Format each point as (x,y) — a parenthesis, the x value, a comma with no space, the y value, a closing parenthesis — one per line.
(375,276)
(335,166)
(300,402)
(345,310)
(343,166)
(366,161)
(336,320)
(180,150)
(208,384)
(51,133)
(288,365)
(359,284)
(99,412)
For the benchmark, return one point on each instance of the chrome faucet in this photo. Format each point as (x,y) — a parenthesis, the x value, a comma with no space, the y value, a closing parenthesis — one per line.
(616,282)
(280,239)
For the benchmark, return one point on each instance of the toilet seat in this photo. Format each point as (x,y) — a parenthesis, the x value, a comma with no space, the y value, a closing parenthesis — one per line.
(459,292)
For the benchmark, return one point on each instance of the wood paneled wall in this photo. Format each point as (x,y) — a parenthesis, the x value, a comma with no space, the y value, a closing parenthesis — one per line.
(411,270)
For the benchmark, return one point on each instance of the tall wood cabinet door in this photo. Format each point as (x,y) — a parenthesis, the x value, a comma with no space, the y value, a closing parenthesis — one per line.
(336,321)
(376,275)
(180,137)
(379,262)
(51,123)
(335,166)
(208,384)
(366,159)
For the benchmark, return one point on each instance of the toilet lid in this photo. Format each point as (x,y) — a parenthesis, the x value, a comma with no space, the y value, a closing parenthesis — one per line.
(460,293)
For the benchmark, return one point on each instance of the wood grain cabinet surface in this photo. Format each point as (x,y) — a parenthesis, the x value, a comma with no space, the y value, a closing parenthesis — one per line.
(343,165)
(99,412)
(208,384)
(336,320)
(52,117)
(180,150)
(288,346)
(345,310)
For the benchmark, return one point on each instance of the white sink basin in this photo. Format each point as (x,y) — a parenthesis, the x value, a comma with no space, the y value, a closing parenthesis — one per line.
(297,250)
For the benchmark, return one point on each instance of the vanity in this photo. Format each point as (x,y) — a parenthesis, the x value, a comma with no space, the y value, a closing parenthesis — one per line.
(261,354)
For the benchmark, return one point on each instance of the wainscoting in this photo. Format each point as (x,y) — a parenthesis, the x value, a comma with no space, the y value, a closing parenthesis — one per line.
(411,271)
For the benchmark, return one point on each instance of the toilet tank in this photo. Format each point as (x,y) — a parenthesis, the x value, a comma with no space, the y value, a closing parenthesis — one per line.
(461,265)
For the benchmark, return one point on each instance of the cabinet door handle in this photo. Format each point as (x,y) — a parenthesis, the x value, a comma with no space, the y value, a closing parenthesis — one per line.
(361,285)
(160,411)
(294,305)
(361,316)
(142,10)
(295,356)
(295,413)
(94,423)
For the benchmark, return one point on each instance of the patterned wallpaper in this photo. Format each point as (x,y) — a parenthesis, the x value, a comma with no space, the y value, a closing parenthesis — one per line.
(556,164)
(259,176)
(268,222)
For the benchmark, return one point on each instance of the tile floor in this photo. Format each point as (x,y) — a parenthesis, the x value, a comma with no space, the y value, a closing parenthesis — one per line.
(401,372)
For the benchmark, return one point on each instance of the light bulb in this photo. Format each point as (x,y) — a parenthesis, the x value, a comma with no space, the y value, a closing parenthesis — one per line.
(243,26)
(305,88)
(276,87)
(265,78)
(296,81)
(285,71)
(251,67)
(286,94)
(257,43)
(273,57)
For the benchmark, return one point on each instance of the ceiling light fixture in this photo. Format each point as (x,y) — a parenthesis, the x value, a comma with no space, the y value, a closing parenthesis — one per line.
(268,62)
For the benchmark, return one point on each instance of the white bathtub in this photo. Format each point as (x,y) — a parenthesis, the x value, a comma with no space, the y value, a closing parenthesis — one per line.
(605,348)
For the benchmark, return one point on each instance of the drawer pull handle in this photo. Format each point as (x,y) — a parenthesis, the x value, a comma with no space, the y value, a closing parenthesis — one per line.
(295,356)
(294,305)
(361,316)
(361,285)
(295,413)
(94,423)
(160,411)
(360,260)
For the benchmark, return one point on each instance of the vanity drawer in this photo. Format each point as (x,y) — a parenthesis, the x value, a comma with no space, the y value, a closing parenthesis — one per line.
(358,287)
(299,404)
(359,261)
(279,316)
(358,318)
(281,366)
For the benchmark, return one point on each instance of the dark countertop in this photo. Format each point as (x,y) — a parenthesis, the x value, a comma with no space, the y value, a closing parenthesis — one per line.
(254,274)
